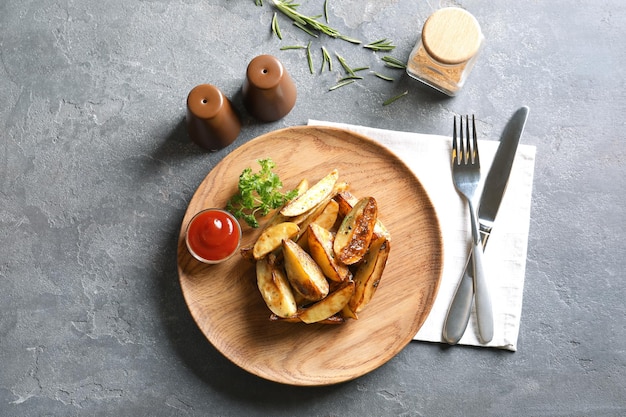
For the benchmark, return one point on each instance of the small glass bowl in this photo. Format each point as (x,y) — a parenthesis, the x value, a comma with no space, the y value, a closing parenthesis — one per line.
(194,240)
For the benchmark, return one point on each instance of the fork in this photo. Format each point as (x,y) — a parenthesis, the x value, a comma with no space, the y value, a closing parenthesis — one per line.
(466,177)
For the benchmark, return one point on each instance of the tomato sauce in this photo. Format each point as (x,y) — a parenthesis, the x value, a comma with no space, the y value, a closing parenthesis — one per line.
(213,235)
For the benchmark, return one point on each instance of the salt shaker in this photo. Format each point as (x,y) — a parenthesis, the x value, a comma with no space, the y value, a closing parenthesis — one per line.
(447,50)
(268,91)
(212,122)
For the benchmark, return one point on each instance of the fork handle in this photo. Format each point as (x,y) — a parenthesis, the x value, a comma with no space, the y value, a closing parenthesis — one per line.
(484,310)
(460,308)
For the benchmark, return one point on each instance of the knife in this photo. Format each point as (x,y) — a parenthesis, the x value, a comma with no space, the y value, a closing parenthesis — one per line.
(495,185)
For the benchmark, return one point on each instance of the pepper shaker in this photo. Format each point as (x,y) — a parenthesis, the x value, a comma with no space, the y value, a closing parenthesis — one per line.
(268,91)
(211,119)
(444,56)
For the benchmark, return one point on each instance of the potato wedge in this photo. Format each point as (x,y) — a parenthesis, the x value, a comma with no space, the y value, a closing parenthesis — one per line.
(321,250)
(311,197)
(276,218)
(328,216)
(329,306)
(355,233)
(345,200)
(303,273)
(272,237)
(369,273)
(275,289)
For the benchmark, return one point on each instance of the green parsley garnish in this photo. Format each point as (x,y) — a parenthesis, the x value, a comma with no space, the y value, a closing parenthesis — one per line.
(259,193)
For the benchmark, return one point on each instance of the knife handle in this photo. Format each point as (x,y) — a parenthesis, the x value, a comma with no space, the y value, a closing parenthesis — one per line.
(460,308)
(484,310)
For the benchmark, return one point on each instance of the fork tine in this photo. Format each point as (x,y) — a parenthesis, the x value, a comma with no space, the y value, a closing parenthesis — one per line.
(463,157)
(455,150)
(476,159)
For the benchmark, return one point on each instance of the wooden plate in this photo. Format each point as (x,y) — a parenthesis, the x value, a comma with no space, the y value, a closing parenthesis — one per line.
(226,305)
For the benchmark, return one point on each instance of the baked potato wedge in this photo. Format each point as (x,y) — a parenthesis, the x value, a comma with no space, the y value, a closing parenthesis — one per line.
(355,232)
(275,289)
(276,218)
(345,201)
(303,273)
(320,242)
(311,197)
(328,217)
(369,273)
(272,237)
(328,306)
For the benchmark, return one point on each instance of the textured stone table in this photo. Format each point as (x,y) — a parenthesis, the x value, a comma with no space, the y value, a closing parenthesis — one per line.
(96,170)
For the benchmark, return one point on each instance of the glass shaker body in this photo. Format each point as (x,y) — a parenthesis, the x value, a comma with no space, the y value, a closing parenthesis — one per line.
(446,52)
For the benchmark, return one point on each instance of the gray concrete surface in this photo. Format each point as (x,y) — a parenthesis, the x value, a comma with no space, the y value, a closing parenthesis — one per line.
(96,171)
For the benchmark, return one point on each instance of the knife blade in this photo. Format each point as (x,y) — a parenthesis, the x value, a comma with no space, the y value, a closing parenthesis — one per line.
(493,191)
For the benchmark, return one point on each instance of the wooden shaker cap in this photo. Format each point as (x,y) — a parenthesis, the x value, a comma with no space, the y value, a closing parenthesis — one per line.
(452,35)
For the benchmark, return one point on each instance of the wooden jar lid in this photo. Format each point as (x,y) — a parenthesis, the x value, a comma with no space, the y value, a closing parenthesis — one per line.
(452,35)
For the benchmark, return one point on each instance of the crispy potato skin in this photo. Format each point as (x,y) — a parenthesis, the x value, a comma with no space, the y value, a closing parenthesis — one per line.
(355,233)
(368,275)
(303,273)
(328,306)
(311,197)
(321,250)
(272,237)
(275,289)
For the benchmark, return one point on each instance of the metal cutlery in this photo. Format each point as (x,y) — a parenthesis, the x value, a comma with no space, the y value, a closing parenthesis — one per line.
(495,185)
(466,177)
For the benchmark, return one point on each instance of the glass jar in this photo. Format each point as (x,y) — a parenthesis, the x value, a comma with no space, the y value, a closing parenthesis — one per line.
(446,52)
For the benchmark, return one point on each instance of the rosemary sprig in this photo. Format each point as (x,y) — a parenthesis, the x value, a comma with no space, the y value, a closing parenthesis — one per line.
(392,99)
(310,23)
(381,45)
(392,62)
(275,27)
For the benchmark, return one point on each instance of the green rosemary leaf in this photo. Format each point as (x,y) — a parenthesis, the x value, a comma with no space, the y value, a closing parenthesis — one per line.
(326,10)
(351,77)
(309,57)
(275,27)
(326,60)
(392,62)
(380,45)
(288,47)
(392,99)
(349,39)
(258,2)
(357,69)
(305,29)
(341,84)
(382,77)
(344,64)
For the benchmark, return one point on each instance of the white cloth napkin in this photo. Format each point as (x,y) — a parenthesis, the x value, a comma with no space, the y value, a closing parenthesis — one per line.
(505,255)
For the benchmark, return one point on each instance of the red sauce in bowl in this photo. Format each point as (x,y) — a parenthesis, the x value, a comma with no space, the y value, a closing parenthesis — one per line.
(213,235)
